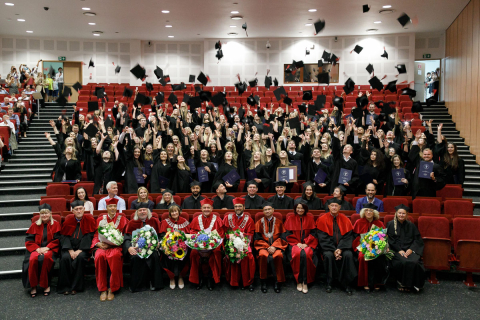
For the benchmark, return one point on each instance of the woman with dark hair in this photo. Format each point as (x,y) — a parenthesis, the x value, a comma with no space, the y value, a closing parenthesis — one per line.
(227,165)
(374,170)
(449,159)
(174,268)
(202,160)
(181,175)
(339,193)
(82,195)
(161,177)
(302,244)
(391,189)
(132,159)
(310,196)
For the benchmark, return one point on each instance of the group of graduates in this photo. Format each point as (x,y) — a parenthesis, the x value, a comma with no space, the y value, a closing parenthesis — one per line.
(301,241)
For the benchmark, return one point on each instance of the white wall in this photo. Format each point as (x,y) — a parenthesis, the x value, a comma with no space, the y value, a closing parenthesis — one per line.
(432,43)
(247,57)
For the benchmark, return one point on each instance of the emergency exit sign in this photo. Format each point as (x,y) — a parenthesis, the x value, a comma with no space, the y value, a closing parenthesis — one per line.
(427,55)
(62,58)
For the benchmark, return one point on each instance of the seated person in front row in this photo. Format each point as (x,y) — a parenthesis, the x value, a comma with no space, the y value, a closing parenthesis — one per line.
(77,235)
(280,200)
(167,200)
(252,199)
(222,200)
(339,194)
(193,201)
(310,196)
(370,191)
(42,243)
(112,189)
(407,244)
(142,194)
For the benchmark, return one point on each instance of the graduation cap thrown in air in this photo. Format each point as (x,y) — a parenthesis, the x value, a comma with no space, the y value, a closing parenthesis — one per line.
(219,54)
(117,69)
(401,68)
(307,95)
(217,99)
(334,59)
(244,27)
(324,78)
(268,82)
(77,86)
(287,100)
(172,98)
(320,102)
(178,87)
(51,72)
(253,83)
(67,91)
(160,97)
(91,64)
(275,82)
(370,68)
(127,92)
(385,54)
(409,92)
(61,100)
(366,8)
(195,102)
(404,19)
(349,86)
(320,63)
(299,64)
(391,86)
(358,49)
(338,102)
(279,92)
(91,130)
(138,72)
(149,86)
(319,25)
(100,93)
(205,95)
(141,99)
(202,78)
(158,73)
(326,56)
(92,106)
(191,78)
(252,101)
(241,87)
(218,45)
(376,83)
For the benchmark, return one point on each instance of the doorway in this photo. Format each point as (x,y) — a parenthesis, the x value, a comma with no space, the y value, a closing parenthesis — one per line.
(72,73)
(427,77)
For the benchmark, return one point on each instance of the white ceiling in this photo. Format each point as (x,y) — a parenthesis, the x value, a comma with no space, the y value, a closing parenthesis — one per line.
(197,20)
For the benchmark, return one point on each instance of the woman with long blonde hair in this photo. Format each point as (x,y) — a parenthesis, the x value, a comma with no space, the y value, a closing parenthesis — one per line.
(67,166)
(180,175)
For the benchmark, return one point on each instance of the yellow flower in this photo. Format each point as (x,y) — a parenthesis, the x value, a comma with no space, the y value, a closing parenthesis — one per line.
(179,253)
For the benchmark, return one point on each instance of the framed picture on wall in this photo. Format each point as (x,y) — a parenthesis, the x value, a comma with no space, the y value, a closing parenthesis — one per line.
(309,73)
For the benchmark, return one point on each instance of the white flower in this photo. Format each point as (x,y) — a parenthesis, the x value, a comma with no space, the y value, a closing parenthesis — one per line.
(154,241)
(149,252)
(148,234)
(149,241)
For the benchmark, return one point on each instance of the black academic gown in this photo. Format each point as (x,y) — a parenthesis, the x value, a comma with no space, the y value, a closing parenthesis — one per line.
(339,163)
(70,168)
(223,169)
(401,190)
(207,185)
(426,187)
(314,203)
(312,169)
(261,172)
(408,271)
(92,160)
(127,158)
(192,203)
(253,203)
(284,203)
(180,178)
(159,169)
(371,172)
(452,176)
(226,202)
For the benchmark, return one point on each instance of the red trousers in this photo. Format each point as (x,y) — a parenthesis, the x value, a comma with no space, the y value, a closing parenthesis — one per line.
(277,263)
(33,269)
(214,264)
(112,258)
(243,271)
(295,263)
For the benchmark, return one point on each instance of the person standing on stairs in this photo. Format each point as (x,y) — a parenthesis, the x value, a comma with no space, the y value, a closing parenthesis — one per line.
(450,161)
(67,166)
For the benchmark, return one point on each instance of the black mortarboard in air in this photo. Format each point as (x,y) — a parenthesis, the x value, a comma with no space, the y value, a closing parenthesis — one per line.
(186,98)
(172,98)
(191,78)
(205,95)
(365,8)
(178,87)
(219,54)
(290,67)
(370,68)
(100,93)
(149,86)
(67,91)
(253,83)
(138,72)
(241,87)
(160,97)
(92,106)
(409,92)
(302,108)
(91,130)
(376,83)
(202,78)
(287,100)
(91,64)
(417,107)
(299,64)
(404,19)
(117,69)
(391,86)
(401,68)
(326,56)
(195,102)
(349,86)
(77,86)
(357,113)
(324,78)
(369,206)
(61,100)
(402,206)
(319,103)
(385,54)
(307,95)
(275,82)
(158,73)
(127,92)
(363,101)
(268,82)
(244,27)
(51,72)
(163,82)
(387,109)
(251,100)
(338,102)
(218,99)
(141,99)
(320,63)
(358,49)
(334,59)
(279,92)
(218,45)
(319,25)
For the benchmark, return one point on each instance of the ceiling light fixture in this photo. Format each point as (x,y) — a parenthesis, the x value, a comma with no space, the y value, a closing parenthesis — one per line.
(99,32)
(9,4)
(372,30)
(165,11)
(90,14)
(91,23)
(377,21)
(29,31)
(21,20)
(171,36)
(387,6)
(236,17)
(233,34)
(308,24)
(233,26)
(96,35)
(168,26)
(86,9)
(386,11)
(312,10)
(234,12)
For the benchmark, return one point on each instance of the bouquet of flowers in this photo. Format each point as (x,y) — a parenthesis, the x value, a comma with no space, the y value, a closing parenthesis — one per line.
(145,241)
(374,243)
(204,241)
(236,246)
(107,233)
(174,245)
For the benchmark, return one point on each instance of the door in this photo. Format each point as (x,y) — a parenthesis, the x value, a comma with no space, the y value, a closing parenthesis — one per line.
(420,80)
(72,73)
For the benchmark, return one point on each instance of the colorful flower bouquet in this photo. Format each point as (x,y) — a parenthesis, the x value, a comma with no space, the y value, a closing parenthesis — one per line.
(374,244)
(145,241)
(236,246)
(204,241)
(107,233)
(174,245)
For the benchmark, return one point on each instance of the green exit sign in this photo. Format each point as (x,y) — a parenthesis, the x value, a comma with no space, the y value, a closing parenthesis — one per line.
(427,55)
(62,58)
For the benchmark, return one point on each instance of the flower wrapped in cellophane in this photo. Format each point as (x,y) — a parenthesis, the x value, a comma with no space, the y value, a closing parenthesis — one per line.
(174,244)
(204,241)
(374,244)
(107,233)
(145,241)
(236,246)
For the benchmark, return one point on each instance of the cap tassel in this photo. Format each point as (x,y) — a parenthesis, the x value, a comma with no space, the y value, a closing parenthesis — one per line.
(384,77)
(238,76)
(268,71)
(208,79)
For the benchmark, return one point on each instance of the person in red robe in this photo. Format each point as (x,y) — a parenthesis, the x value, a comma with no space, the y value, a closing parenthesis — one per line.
(174,268)
(300,235)
(244,272)
(373,272)
(210,263)
(144,273)
(108,256)
(270,247)
(42,243)
(335,238)
(77,235)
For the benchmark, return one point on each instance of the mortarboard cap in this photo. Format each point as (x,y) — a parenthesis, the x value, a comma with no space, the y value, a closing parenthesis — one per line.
(363,101)
(307,95)
(67,91)
(219,54)
(338,102)
(77,86)
(335,200)
(138,72)
(275,82)
(191,78)
(253,83)
(369,206)
(205,95)
(186,98)
(195,102)
(127,92)
(172,98)
(342,188)
(349,86)
(370,68)
(302,108)
(409,92)
(268,82)
(404,19)
(149,86)
(280,184)
(79,203)
(44,206)
(266,204)
(320,63)
(287,100)
(385,54)
(251,100)
(108,122)
(163,82)
(141,99)
(298,201)
(92,106)
(376,83)
(195,183)
(387,109)
(91,130)
(241,87)
(319,25)
(141,205)
(279,92)
(299,64)
(158,73)
(178,87)
(244,27)
(358,49)
(334,59)
(100,93)
(357,113)
(324,78)
(251,182)
(218,45)
(402,206)
(167,191)
(202,78)
(365,8)
(320,102)
(61,100)
(401,68)
(391,86)
(417,107)
(117,69)
(294,123)
(91,64)
(51,72)
(326,56)
(218,99)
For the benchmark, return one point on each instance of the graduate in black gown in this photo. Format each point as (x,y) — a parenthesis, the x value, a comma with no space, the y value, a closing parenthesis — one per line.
(252,199)
(226,166)
(313,165)
(202,161)
(339,194)
(342,159)
(67,166)
(310,197)
(193,201)
(132,159)
(77,233)
(407,244)
(335,238)
(263,179)
(280,200)
(222,200)
(397,190)
(161,172)
(180,174)
(425,187)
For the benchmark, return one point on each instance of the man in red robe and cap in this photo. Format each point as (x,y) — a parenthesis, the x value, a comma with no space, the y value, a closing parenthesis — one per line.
(210,263)
(242,272)
(109,256)
(335,237)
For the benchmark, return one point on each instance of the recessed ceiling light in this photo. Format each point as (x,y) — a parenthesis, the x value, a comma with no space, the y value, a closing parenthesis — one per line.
(233,26)
(377,22)
(165,11)
(91,23)
(312,10)
(308,24)
(300,32)
(96,35)
(99,32)
(9,4)
(372,30)
(86,9)
(234,12)
(233,34)
(387,6)
(21,20)
(29,31)
(171,36)
(168,26)
(90,14)
(236,17)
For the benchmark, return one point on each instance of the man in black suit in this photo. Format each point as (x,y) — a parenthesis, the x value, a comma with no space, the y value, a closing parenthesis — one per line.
(374,117)
(342,159)
(422,187)
(280,200)
(252,199)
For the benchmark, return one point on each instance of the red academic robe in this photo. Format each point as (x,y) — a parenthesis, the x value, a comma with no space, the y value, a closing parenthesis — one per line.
(245,270)
(299,230)
(215,257)
(111,257)
(363,226)
(169,265)
(263,241)
(31,277)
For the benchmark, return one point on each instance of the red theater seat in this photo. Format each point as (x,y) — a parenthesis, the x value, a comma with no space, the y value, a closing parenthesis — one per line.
(389,204)
(57,204)
(427,206)
(58,189)
(466,240)
(458,208)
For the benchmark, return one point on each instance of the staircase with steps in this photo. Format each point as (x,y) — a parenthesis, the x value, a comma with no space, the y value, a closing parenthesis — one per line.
(23,180)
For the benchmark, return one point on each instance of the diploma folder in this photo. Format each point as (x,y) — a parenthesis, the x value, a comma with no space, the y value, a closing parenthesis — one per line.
(425,169)
(288,174)
(231,177)
(398,175)
(345,176)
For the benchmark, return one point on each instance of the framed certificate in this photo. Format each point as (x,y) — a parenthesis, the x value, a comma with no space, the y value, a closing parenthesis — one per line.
(288,174)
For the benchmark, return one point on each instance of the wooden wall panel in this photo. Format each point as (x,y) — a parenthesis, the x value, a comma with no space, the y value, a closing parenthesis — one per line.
(461,77)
